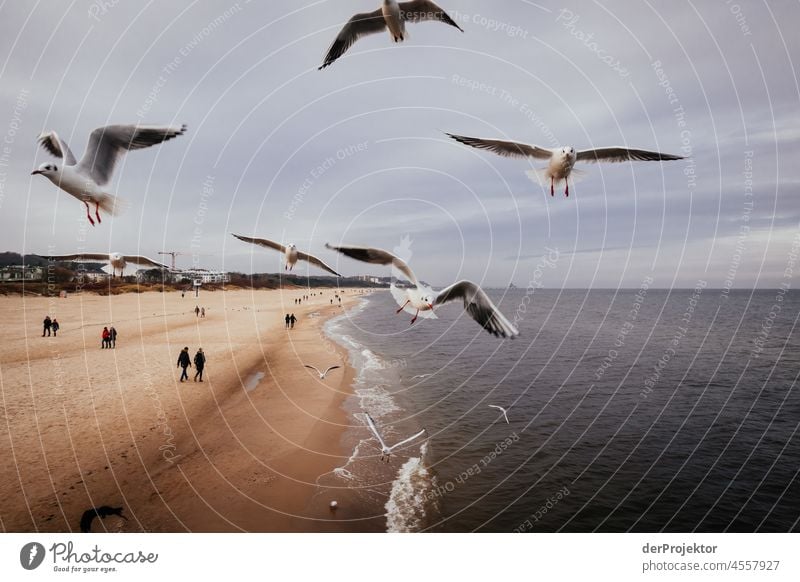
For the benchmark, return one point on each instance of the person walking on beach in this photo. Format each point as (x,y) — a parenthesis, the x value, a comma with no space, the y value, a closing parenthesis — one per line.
(112,337)
(197,311)
(104,335)
(202,312)
(288,319)
(199,364)
(47,324)
(184,361)
(292,319)
(55,327)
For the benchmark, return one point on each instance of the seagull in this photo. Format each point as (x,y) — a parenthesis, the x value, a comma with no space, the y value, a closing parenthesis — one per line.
(321,374)
(386,451)
(290,252)
(423,299)
(86,180)
(562,160)
(116,260)
(392,15)
(503,410)
(420,376)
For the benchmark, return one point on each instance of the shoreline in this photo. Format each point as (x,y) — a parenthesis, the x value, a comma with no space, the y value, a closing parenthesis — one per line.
(116,428)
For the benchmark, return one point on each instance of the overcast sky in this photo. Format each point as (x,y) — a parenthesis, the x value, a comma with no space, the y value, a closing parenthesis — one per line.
(356,153)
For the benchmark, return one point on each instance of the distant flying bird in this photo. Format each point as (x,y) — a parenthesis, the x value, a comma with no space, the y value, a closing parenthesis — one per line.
(322,374)
(391,15)
(116,260)
(423,299)
(503,410)
(290,252)
(104,511)
(561,160)
(386,451)
(86,180)
(420,376)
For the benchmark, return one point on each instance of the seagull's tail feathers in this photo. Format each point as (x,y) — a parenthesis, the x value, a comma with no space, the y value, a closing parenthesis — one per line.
(114,205)
(539,176)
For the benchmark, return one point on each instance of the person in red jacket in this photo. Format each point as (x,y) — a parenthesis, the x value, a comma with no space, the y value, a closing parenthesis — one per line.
(106,336)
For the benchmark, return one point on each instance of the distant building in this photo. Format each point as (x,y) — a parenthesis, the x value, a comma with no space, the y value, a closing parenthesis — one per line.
(369,279)
(202,275)
(93,276)
(20,273)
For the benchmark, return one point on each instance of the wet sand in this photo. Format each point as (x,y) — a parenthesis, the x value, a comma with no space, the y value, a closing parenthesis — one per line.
(82,427)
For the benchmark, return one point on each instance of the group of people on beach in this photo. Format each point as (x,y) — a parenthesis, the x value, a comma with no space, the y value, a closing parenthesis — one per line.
(290,320)
(50,325)
(109,337)
(199,311)
(185,362)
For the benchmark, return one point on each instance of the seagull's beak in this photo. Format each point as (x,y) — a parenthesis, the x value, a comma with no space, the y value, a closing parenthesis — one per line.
(36,172)
(431,306)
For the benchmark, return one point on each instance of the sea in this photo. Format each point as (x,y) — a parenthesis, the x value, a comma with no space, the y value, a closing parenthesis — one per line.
(639,410)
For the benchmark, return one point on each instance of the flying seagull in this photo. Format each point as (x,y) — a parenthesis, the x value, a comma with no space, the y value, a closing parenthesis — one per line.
(423,299)
(116,260)
(420,376)
(386,451)
(392,15)
(87,180)
(562,160)
(290,252)
(501,409)
(321,374)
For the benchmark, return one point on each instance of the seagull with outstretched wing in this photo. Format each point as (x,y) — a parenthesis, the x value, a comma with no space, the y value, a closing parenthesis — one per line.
(422,299)
(322,375)
(290,252)
(561,160)
(386,450)
(87,179)
(116,260)
(392,15)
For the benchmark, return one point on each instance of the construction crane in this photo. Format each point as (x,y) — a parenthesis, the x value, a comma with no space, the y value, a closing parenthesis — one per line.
(172,254)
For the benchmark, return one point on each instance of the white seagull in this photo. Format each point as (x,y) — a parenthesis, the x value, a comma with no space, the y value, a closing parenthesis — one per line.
(116,260)
(322,374)
(420,376)
(423,299)
(290,252)
(87,180)
(562,160)
(392,15)
(386,451)
(503,410)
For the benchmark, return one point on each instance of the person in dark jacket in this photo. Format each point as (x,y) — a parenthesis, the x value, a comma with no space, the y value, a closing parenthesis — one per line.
(184,361)
(199,364)
(292,320)
(55,327)
(47,324)
(112,337)
(287,319)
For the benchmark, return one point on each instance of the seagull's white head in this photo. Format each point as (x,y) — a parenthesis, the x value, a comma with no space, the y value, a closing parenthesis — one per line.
(291,246)
(48,170)
(116,257)
(568,152)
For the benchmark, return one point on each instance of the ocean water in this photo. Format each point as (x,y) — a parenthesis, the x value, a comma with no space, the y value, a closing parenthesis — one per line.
(635,410)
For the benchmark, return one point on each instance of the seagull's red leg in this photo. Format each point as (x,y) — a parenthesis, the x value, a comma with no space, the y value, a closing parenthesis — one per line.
(416,315)
(552,187)
(97,211)
(403,306)
(88,213)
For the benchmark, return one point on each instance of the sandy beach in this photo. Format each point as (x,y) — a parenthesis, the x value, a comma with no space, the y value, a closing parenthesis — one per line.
(84,427)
